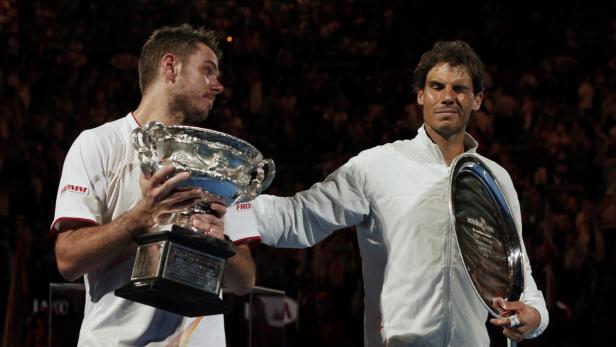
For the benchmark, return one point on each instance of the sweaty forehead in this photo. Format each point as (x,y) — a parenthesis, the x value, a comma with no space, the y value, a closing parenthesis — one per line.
(203,55)
(444,72)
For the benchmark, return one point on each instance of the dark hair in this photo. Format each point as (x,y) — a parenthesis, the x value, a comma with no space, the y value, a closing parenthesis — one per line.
(454,53)
(180,41)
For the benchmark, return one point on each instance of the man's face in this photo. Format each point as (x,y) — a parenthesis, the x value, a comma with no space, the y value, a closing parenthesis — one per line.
(196,85)
(448,99)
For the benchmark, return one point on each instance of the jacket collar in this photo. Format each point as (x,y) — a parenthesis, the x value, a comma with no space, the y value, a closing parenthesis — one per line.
(424,141)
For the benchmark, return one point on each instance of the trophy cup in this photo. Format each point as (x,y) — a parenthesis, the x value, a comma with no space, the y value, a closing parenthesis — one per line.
(487,237)
(180,270)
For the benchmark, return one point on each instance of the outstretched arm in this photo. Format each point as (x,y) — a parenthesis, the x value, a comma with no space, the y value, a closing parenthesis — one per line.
(311,215)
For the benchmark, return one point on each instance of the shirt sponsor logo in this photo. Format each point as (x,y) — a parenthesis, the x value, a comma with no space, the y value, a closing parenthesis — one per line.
(243,206)
(74,189)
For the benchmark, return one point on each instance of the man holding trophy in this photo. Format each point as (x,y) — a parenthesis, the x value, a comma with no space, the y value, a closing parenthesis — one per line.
(438,225)
(105,201)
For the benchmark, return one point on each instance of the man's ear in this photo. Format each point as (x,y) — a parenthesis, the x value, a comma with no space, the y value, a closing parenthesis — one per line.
(420,95)
(477,101)
(169,66)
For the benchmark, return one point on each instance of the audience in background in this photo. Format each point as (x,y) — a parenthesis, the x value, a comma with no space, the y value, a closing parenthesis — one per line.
(311,83)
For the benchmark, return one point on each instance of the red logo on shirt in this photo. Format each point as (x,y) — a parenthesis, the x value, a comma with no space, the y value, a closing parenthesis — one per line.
(75,189)
(243,206)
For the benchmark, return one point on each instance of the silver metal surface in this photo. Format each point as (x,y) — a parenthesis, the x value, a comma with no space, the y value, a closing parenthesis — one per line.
(230,169)
(514,321)
(486,235)
(147,260)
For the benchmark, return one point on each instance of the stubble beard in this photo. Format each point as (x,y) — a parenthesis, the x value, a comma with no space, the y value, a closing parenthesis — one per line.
(185,112)
(447,132)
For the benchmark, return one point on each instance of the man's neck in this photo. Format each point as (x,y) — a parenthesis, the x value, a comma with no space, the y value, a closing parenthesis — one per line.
(450,147)
(155,107)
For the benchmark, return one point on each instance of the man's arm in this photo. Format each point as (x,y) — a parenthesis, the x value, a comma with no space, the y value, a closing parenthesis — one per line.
(530,310)
(240,273)
(82,248)
(310,216)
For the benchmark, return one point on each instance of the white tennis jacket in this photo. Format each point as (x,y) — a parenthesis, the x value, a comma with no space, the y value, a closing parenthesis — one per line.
(416,290)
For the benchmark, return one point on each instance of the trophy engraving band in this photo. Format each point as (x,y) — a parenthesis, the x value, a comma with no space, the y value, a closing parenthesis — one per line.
(193,268)
(485,232)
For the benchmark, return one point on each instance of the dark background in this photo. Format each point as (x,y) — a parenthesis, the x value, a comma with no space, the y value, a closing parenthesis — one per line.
(312,83)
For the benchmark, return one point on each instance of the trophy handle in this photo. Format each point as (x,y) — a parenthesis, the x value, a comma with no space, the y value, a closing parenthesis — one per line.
(142,142)
(271,172)
(261,181)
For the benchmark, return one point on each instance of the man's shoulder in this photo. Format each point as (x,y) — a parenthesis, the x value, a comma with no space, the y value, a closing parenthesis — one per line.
(113,132)
(491,163)
(499,171)
(384,149)
(106,140)
(119,127)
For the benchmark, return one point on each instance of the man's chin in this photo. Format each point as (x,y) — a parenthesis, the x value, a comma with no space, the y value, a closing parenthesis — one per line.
(196,117)
(447,129)
(189,113)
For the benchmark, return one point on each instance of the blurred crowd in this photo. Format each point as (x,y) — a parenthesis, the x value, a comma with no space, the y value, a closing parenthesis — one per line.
(311,83)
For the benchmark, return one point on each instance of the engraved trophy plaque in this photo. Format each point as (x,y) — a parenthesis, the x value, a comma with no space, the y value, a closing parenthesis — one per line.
(486,235)
(180,270)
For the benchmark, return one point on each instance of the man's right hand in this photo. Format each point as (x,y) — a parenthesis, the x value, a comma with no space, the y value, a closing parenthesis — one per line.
(161,196)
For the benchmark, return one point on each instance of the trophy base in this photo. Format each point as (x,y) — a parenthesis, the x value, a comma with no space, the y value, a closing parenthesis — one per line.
(179,271)
(173,297)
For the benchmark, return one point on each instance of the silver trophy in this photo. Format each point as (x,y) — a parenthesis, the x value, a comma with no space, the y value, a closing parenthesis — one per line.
(487,237)
(180,270)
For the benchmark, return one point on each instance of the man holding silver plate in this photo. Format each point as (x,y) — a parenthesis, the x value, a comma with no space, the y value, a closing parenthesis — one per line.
(438,225)
(149,178)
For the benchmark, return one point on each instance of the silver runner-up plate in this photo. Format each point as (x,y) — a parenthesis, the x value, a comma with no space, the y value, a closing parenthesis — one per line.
(486,235)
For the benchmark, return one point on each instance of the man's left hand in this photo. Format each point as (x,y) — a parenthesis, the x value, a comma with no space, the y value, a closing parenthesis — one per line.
(519,319)
(212,224)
